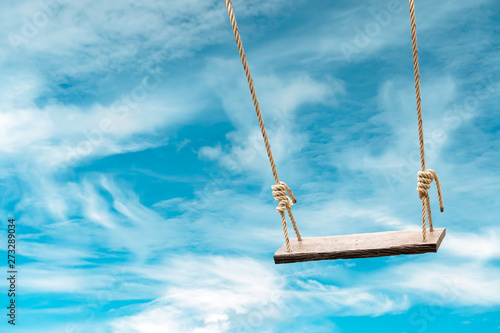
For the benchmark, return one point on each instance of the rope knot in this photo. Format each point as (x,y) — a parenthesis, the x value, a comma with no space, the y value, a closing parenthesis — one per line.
(425,179)
(280,193)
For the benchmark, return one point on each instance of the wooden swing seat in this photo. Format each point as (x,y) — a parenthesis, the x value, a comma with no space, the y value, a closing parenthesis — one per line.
(379,244)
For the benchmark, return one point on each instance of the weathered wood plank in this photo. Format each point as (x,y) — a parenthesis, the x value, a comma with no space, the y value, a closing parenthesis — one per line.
(379,244)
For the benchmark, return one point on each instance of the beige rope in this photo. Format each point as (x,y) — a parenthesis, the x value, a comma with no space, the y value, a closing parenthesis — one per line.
(425,178)
(280,194)
(280,186)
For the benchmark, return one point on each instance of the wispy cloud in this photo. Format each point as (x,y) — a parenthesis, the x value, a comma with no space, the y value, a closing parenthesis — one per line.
(240,293)
(134,163)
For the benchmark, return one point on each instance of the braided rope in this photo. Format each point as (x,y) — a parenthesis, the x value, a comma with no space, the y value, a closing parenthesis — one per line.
(280,193)
(425,178)
(285,202)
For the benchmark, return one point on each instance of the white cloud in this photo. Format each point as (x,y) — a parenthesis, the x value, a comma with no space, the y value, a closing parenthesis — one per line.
(381,30)
(68,49)
(241,293)
(39,279)
(204,294)
(357,301)
(43,252)
(109,215)
(169,203)
(394,123)
(467,284)
(138,34)
(474,245)
(280,99)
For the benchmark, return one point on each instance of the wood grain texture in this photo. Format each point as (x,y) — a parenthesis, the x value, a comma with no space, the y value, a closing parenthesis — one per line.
(379,244)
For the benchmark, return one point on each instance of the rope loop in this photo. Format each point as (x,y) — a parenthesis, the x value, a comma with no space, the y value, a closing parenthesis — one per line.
(425,179)
(280,193)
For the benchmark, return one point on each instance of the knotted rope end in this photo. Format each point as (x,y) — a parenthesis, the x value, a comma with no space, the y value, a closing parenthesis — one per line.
(425,179)
(280,193)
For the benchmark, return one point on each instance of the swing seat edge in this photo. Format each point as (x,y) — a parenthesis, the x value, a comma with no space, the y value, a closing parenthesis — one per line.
(368,245)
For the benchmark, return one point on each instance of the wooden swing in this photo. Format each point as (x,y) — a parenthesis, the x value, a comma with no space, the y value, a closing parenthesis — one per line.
(378,244)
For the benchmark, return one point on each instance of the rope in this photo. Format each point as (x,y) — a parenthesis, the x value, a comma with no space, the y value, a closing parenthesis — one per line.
(425,178)
(280,186)
(280,194)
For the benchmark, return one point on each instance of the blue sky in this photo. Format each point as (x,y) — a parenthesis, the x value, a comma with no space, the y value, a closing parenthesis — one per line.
(133,162)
